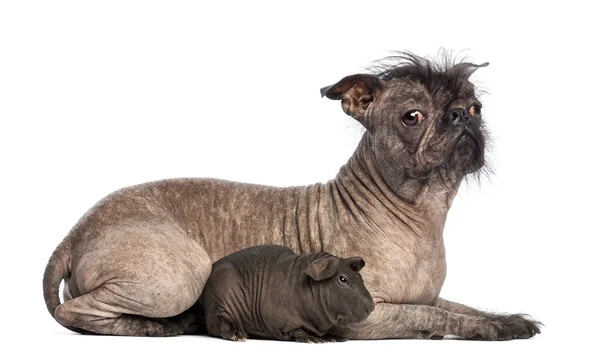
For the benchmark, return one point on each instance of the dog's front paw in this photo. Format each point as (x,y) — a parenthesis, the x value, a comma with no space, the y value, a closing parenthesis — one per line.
(518,326)
(483,328)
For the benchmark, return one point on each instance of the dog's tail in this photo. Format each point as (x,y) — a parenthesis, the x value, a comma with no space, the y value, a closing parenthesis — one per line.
(56,270)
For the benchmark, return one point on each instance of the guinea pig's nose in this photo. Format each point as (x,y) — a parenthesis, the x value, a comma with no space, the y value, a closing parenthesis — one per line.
(370,306)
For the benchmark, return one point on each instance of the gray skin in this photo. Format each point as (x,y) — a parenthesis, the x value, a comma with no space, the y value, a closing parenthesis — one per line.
(271,292)
(142,255)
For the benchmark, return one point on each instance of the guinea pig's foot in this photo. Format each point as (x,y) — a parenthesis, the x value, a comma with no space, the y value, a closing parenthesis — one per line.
(238,336)
(309,339)
(333,338)
(300,335)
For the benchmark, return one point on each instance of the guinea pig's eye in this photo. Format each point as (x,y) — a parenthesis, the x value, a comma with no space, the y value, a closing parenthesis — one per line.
(342,280)
(412,118)
(475,110)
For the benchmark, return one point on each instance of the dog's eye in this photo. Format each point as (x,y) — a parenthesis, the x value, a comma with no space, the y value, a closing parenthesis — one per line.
(475,110)
(342,280)
(412,118)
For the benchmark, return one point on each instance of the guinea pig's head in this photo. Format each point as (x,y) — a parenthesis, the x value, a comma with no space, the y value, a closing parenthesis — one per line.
(346,299)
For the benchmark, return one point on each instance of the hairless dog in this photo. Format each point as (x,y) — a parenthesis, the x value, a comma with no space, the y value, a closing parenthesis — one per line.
(141,256)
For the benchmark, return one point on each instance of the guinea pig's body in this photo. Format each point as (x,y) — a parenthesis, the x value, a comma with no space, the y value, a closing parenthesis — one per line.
(271,292)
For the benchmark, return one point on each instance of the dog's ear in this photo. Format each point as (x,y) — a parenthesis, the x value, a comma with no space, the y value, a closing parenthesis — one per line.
(323,268)
(467,69)
(357,92)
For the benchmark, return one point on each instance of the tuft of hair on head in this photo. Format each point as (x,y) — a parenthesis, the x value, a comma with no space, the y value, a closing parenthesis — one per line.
(445,71)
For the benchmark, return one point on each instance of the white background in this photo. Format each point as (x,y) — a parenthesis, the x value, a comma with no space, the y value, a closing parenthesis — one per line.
(97,96)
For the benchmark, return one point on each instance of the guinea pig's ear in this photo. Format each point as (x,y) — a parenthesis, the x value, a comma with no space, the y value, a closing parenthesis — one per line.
(356,263)
(323,268)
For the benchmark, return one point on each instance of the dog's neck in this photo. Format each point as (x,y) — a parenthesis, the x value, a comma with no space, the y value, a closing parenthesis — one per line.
(403,191)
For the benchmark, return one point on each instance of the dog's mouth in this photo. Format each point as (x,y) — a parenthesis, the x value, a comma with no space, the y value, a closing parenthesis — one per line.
(467,139)
(469,149)
(468,132)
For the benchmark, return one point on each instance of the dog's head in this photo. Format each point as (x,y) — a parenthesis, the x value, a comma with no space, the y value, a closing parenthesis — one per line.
(422,117)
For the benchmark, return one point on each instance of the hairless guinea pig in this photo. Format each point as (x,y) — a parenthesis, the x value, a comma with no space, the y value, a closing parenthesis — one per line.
(271,292)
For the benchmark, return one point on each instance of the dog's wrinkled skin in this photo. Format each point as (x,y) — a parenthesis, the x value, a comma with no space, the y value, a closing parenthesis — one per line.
(271,292)
(142,255)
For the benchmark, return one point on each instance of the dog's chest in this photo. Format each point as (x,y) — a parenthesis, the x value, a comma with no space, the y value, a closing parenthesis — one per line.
(404,269)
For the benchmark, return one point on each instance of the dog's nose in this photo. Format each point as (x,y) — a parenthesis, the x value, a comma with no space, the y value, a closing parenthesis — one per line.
(457,115)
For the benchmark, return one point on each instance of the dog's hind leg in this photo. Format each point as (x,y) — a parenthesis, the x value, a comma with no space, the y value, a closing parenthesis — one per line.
(142,304)
(92,313)
(141,285)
